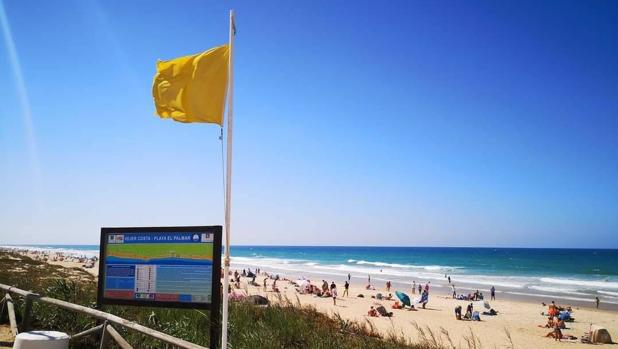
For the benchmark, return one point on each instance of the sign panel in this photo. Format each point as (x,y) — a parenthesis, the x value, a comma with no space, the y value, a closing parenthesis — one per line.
(176,267)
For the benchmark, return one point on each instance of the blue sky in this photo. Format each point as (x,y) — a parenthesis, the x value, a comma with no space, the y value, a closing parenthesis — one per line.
(421,123)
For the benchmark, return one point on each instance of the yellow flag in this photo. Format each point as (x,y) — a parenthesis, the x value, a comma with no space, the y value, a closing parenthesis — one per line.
(193,88)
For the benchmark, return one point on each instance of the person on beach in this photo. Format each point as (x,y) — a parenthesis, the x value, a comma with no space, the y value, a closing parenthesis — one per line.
(458,312)
(372,312)
(346,287)
(427,287)
(555,334)
(333,292)
(265,284)
(454,292)
(349,277)
(388,286)
(368,279)
(420,288)
(449,279)
(493,293)
(597,301)
(469,310)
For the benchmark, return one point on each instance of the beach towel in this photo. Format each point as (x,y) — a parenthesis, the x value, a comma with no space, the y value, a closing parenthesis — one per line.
(422,299)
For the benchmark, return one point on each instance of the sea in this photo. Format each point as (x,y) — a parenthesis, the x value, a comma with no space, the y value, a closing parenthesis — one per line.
(577,275)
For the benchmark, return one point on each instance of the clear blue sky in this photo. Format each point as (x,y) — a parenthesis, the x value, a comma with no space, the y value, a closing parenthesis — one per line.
(440,123)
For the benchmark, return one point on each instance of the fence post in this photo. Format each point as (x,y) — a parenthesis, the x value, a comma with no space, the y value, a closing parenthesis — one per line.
(104,336)
(3,302)
(27,313)
(11,310)
(117,337)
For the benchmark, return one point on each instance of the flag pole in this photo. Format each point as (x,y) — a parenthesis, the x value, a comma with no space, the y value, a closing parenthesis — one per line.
(228,184)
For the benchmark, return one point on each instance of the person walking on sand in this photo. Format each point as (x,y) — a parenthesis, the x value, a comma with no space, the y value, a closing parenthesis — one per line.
(597,301)
(414,287)
(454,292)
(388,286)
(265,284)
(493,293)
(346,287)
(420,288)
(333,292)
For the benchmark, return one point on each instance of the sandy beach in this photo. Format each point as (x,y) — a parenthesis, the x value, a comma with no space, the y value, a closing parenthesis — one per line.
(67,260)
(515,326)
(517,319)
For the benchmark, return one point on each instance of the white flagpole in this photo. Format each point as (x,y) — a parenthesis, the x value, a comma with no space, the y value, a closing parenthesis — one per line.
(228,184)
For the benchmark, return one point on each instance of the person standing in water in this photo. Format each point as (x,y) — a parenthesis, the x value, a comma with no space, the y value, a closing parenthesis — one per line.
(349,277)
(597,301)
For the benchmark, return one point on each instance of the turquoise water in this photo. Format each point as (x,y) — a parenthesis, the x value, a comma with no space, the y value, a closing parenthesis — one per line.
(576,274)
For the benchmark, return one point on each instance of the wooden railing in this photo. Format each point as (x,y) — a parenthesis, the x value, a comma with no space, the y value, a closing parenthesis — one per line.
(106,330)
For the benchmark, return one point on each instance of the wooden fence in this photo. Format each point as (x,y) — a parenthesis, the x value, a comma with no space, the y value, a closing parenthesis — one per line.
(106,331)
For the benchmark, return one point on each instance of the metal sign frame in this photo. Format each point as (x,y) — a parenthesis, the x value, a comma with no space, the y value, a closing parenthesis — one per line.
(216,267)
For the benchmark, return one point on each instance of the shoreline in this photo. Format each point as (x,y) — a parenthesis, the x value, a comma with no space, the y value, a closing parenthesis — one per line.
(440,286)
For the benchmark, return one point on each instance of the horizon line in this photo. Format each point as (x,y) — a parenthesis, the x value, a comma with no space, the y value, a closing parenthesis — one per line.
(361,246)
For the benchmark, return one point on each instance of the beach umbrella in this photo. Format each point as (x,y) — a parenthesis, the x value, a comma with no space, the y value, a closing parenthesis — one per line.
(405,300)
(481,305)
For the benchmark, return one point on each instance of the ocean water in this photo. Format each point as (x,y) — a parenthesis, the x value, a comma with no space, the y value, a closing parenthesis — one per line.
(569,274)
